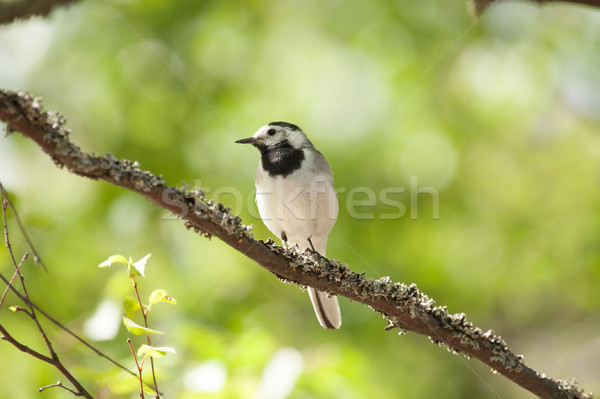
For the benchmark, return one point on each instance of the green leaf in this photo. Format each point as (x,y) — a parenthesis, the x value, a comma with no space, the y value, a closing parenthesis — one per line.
(130,305)
(139,267)
(152,351)
(136,329)
(113,259)
(161,296)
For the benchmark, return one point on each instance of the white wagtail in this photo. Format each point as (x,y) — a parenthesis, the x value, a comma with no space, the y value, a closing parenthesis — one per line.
(296,198)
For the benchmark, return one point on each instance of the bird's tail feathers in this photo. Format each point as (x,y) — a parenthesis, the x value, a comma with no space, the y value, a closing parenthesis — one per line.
(326,308)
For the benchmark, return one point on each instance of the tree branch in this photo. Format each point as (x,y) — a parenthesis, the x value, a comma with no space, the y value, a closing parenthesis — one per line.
(36,257)
(9,284)
(27,300)
(478,7)
(59,385)
(404,307)
(53,359)
(31,312)
(62,326)
(23,348)
(23,9)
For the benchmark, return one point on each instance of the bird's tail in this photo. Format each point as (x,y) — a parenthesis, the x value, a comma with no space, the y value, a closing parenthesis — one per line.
(326,307)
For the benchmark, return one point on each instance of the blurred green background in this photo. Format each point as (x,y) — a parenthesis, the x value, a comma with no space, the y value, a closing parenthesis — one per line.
(500,120)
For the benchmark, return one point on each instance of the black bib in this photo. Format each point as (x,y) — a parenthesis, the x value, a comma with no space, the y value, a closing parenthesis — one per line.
(281,159)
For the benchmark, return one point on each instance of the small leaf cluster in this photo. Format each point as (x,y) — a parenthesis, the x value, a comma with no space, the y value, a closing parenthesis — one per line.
(132,304)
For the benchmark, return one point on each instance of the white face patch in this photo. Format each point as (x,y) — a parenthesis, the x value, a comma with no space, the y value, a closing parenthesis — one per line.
(272,134)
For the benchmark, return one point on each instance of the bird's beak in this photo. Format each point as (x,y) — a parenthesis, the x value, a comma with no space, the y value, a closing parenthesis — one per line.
(249,140)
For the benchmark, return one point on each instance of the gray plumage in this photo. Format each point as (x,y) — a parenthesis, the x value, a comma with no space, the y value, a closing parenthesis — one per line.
(296,198)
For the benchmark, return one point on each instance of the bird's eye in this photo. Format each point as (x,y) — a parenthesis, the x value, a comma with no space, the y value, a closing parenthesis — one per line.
(271,132)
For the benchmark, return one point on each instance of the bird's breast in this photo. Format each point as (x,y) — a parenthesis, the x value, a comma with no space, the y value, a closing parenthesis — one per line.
(301,204)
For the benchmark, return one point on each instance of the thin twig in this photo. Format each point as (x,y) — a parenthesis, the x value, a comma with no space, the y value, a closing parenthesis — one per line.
(139,369)
(23,348)
(53,359)
(135,288)
(36,257)
(9,285)
(5,200)
(22,310)
(59,385)
(65,328)
(25,293)
(69,331)
(30,303)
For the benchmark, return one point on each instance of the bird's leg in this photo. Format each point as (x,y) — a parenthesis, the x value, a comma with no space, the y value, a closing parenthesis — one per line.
(284,239)
(311,245)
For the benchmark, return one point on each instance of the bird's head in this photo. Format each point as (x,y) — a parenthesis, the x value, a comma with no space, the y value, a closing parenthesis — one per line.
(276,134)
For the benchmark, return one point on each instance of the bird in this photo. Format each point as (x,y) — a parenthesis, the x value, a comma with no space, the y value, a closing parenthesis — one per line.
(296,199)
